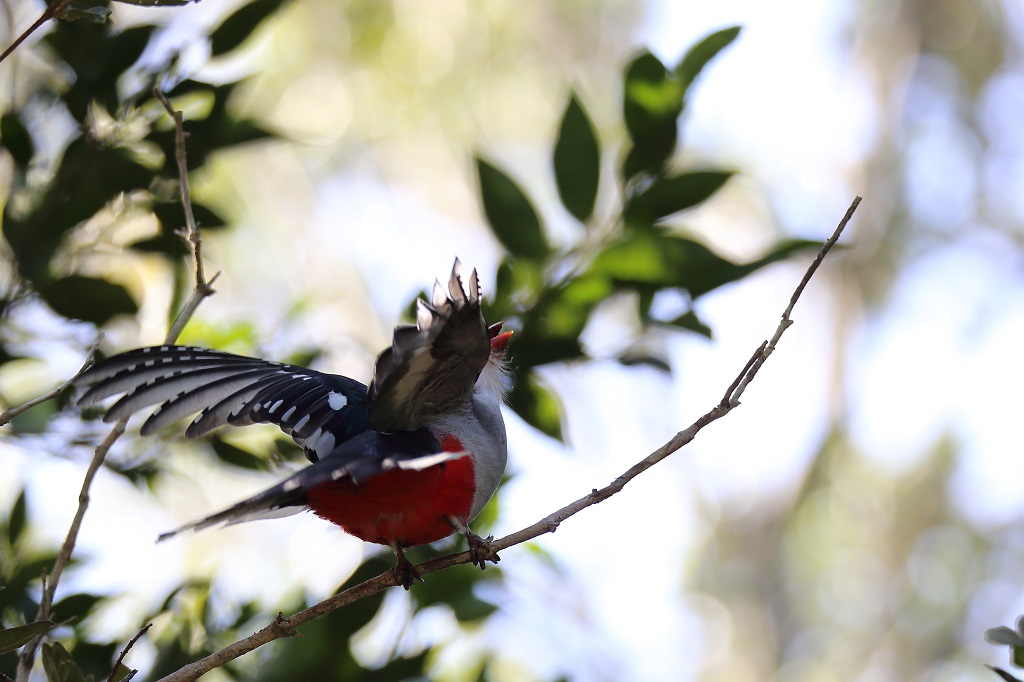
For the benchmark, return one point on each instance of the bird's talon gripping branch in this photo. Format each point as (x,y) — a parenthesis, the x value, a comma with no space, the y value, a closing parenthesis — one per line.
(405,571)
(480,549)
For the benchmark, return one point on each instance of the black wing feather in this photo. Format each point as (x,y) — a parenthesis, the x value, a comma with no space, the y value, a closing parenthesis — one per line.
(228,389)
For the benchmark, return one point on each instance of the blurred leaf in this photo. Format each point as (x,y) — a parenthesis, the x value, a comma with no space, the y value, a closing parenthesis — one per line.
(16,519)
(510,213)
(669,261)
(121,672)
(58,664)
(653,100)
(537,405)
(217,129)
(1004,635)
(1003,674)
(157,3)
(240,25)
(15,138)
(454,588)
(552,325)
(690,322)
(666,196)
(172,217)
(73,11)
(98,56)
(698,56)
(12,638)
(577,161)
(89,299)
(236,456)
(635,358)
(75,606)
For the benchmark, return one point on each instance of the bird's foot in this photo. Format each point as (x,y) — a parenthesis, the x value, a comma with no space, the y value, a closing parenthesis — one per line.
(480,549)
(405,572)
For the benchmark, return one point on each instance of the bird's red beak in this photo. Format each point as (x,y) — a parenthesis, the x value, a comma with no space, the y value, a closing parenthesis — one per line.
(499,340)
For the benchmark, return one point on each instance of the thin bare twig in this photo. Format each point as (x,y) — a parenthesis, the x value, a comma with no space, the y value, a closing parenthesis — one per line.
(285,627)
(13,412)
(201,291)
(124,652)
(49,13)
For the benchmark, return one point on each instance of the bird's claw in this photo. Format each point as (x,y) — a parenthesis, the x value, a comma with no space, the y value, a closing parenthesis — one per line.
(406,573)
(481,551)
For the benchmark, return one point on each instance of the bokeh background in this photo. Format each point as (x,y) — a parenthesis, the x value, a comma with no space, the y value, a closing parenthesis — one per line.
(858,518)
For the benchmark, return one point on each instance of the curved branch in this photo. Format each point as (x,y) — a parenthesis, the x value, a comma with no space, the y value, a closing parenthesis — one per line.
(286,627)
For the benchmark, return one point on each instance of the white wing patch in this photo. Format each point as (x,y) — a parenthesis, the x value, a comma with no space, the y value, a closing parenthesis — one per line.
(336,400)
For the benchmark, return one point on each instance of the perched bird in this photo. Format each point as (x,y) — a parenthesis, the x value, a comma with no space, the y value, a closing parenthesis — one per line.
(408,460)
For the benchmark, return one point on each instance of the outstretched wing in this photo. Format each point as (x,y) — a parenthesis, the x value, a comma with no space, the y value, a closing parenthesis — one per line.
(365,455)
(317,410)
(432,366)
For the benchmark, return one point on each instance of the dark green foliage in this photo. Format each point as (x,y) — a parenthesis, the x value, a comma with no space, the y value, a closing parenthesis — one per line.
(577,161)
(454,588)
(653,100)
(698,56)
(510,213)
(667,196)
(236,456)
(59,666)
(87,298)
(13,638)
(240,25)
(537,405)
(16,139)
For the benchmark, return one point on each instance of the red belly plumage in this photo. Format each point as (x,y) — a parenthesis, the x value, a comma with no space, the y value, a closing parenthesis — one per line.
(404,506)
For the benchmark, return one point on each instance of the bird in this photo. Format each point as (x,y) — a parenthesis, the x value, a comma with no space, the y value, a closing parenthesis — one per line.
(410,459)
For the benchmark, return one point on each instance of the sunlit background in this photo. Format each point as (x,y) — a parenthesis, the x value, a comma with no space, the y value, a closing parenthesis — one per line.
(856,519)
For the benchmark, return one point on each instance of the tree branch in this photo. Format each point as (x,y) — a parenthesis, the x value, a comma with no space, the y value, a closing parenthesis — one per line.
(202,290)
(13,412)
(286,627)
(124,652)
(50,12)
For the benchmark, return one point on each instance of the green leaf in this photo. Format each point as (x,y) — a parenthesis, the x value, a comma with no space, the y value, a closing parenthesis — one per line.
(512,217)
(1004,635)
(241,25)
(121,673)
(455,588)
(89,299)
(15,138)
(16,519)
(671,195)
(12,638)
(652,101)
(667,261)
(58,664)
(537,405)
(85,10)
(635,358)
(577,161)
(238,457)
(690,322)
(1007,677)
(75,606)
(698,56)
